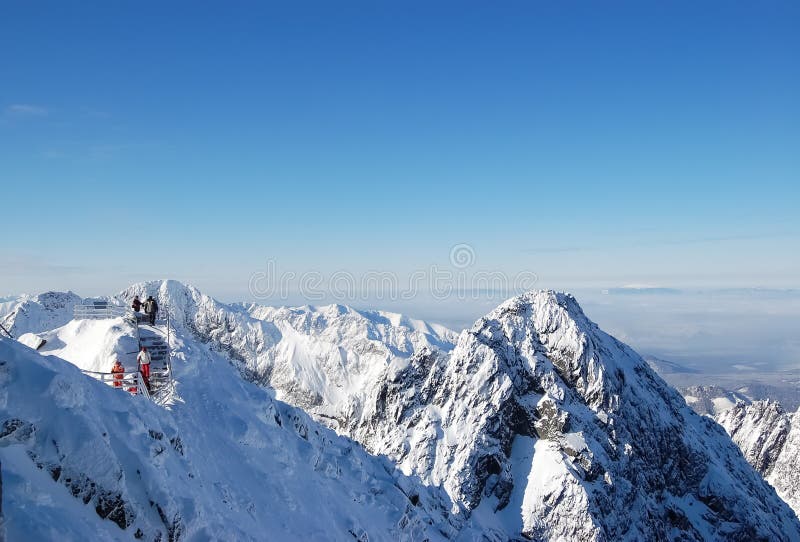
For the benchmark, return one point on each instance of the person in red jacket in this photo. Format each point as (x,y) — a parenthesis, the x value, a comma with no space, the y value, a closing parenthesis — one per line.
(117,370)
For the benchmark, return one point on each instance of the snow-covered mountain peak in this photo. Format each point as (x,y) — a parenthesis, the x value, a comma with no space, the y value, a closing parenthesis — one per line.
(535,422)
(544,326)
(538,409)
(323,359)
(35,313)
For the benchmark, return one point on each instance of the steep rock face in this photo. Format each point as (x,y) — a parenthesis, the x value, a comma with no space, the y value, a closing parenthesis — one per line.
(785,475)
(616,453)
(760,429)
(769,438)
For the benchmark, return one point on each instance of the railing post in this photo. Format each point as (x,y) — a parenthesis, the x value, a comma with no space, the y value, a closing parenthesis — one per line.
(169,349)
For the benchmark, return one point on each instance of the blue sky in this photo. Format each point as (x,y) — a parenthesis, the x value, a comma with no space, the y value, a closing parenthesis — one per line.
(594,144)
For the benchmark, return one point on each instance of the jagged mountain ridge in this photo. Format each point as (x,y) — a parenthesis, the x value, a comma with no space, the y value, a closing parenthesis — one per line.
(561,387)
(617,436)
(769,438)
(557,369)
(318,358)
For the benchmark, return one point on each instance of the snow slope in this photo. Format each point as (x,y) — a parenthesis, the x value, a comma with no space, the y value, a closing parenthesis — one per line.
(226,462)
(533,423)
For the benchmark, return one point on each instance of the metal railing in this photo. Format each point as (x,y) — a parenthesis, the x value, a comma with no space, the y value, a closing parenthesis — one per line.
(98,310)
(161,377)
(130,381)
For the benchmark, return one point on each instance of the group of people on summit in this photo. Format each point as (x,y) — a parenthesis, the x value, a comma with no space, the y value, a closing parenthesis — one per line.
(143,358)
(150,308)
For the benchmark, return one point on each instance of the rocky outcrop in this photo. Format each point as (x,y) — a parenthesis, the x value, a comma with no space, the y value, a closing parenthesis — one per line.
(617,454)
(769,438)
(760,429)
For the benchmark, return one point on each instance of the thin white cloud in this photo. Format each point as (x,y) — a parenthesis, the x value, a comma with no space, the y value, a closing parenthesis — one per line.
(26,110)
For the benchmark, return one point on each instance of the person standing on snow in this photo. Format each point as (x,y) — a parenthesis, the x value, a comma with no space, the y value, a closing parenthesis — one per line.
(150,309)
(136,306)
(144,365)
(117,370)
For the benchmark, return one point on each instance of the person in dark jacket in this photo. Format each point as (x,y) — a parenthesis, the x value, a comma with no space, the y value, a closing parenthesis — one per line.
(136,306)
(150,309)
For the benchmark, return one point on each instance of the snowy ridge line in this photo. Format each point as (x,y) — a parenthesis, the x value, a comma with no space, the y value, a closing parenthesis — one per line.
(532,424)
(226,462)
(610,450)
(322,359)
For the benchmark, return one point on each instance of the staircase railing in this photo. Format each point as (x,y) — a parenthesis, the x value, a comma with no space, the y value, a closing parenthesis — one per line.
(131,381)
(96,310)
(160,378)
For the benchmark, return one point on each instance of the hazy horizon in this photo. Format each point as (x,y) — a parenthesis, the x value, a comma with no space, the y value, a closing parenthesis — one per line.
(580,148)
(739,330)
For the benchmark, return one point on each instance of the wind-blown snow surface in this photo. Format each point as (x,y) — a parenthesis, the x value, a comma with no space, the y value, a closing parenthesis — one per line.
(226,462)
(536,422)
